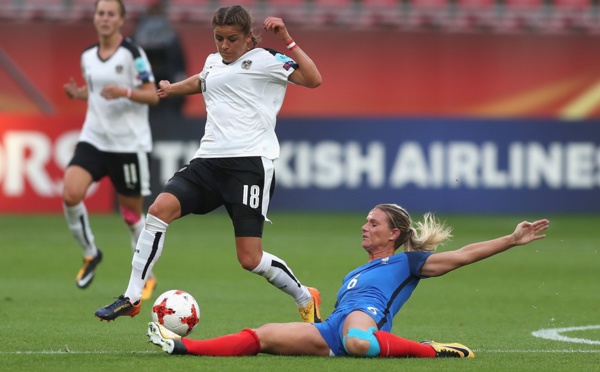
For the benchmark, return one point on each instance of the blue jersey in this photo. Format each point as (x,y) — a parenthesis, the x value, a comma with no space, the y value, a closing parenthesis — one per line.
(379,288)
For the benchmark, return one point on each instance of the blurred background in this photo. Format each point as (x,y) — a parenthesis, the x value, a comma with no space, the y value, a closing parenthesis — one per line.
(462,106)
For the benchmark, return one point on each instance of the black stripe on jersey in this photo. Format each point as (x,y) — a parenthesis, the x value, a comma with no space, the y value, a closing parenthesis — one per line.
(128,44)
(386,311)
(272,51)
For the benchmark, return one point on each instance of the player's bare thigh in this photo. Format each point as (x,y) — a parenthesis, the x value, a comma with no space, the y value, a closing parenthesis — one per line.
(77,180)
(291,339)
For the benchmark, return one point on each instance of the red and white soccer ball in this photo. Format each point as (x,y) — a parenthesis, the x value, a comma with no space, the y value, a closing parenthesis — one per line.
(177,311)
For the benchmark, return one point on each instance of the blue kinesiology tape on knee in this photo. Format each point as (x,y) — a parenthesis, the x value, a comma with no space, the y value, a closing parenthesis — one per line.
(367,335)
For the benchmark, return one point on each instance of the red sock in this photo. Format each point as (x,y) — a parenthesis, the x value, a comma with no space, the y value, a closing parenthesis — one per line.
(240,344)
(394,346)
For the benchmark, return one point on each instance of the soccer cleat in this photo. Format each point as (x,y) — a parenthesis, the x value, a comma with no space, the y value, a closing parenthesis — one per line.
(122,306)
(149,287)
(311,312)
(169,341)
(452,350)
(88,270)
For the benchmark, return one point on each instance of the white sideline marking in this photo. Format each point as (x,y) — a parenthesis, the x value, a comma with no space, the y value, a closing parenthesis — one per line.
(555,334)
(55,352)
(568,351)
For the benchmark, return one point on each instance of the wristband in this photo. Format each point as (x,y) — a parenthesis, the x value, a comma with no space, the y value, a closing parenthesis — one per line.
(129,92)
(291,45)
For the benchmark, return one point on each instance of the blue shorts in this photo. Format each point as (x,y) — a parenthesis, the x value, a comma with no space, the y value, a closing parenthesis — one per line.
(332,329)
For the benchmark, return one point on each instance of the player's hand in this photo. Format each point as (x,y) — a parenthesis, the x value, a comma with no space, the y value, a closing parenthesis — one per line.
(527,232)
(71,89)
(113,91)
(276,26)
(163,86)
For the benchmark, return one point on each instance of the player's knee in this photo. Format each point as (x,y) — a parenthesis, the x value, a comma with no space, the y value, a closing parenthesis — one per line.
(361,343)
(166,209)
(248,262)
(71,197)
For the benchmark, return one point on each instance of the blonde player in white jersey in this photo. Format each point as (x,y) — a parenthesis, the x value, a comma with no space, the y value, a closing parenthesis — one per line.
(243,88)
(115,140)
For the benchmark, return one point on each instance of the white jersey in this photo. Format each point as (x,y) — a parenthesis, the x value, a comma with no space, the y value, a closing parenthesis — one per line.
(242,100)
(117,125)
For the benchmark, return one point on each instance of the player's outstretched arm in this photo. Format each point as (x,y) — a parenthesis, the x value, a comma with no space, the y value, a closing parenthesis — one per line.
(185,87)
(307,74)
(441,263)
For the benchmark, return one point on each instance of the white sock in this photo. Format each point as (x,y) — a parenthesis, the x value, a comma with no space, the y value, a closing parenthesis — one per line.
(147,251)
(78,222)
(276,271)
(135,230)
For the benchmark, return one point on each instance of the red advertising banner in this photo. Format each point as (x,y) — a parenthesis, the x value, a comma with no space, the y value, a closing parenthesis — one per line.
(34,151)
(366,73)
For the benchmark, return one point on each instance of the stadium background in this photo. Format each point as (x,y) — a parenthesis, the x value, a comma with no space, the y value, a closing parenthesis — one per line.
(456,106)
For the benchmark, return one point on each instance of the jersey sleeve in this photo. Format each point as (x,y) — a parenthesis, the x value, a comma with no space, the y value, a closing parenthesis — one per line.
(143,67)
(141,64)
(280,66)
(416,260)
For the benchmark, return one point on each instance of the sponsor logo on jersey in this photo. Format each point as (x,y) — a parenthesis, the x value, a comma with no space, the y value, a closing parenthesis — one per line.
(142,68)
(246,64)
(140,65)
(287,61)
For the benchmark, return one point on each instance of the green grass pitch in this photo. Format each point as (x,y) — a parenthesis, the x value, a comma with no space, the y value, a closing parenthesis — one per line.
(47,323)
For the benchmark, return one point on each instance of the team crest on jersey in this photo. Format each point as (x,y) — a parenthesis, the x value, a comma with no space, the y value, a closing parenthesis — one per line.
(246,64)
(119,69)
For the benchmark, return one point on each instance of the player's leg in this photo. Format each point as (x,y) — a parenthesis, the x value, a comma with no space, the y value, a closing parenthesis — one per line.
(358,338)
(180,196)
(291,339)
(165,209)
(247,193)
(361,338)
(148,250)
(278,273)
(243,343)
(76,182)
(131,210)
(130,174)
(278,339)
(85,167)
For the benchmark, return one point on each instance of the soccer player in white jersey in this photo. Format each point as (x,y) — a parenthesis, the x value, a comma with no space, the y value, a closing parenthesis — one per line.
(243,88)
(115,140)
(370,296)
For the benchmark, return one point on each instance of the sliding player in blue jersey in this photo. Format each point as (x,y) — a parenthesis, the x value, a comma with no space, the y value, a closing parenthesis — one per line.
(369,298)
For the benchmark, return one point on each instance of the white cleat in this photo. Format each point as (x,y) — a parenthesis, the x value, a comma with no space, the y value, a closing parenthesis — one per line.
(163,338)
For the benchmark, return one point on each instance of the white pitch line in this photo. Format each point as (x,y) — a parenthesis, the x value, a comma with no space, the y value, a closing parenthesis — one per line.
(555,334)
(58,352)
(568,351)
